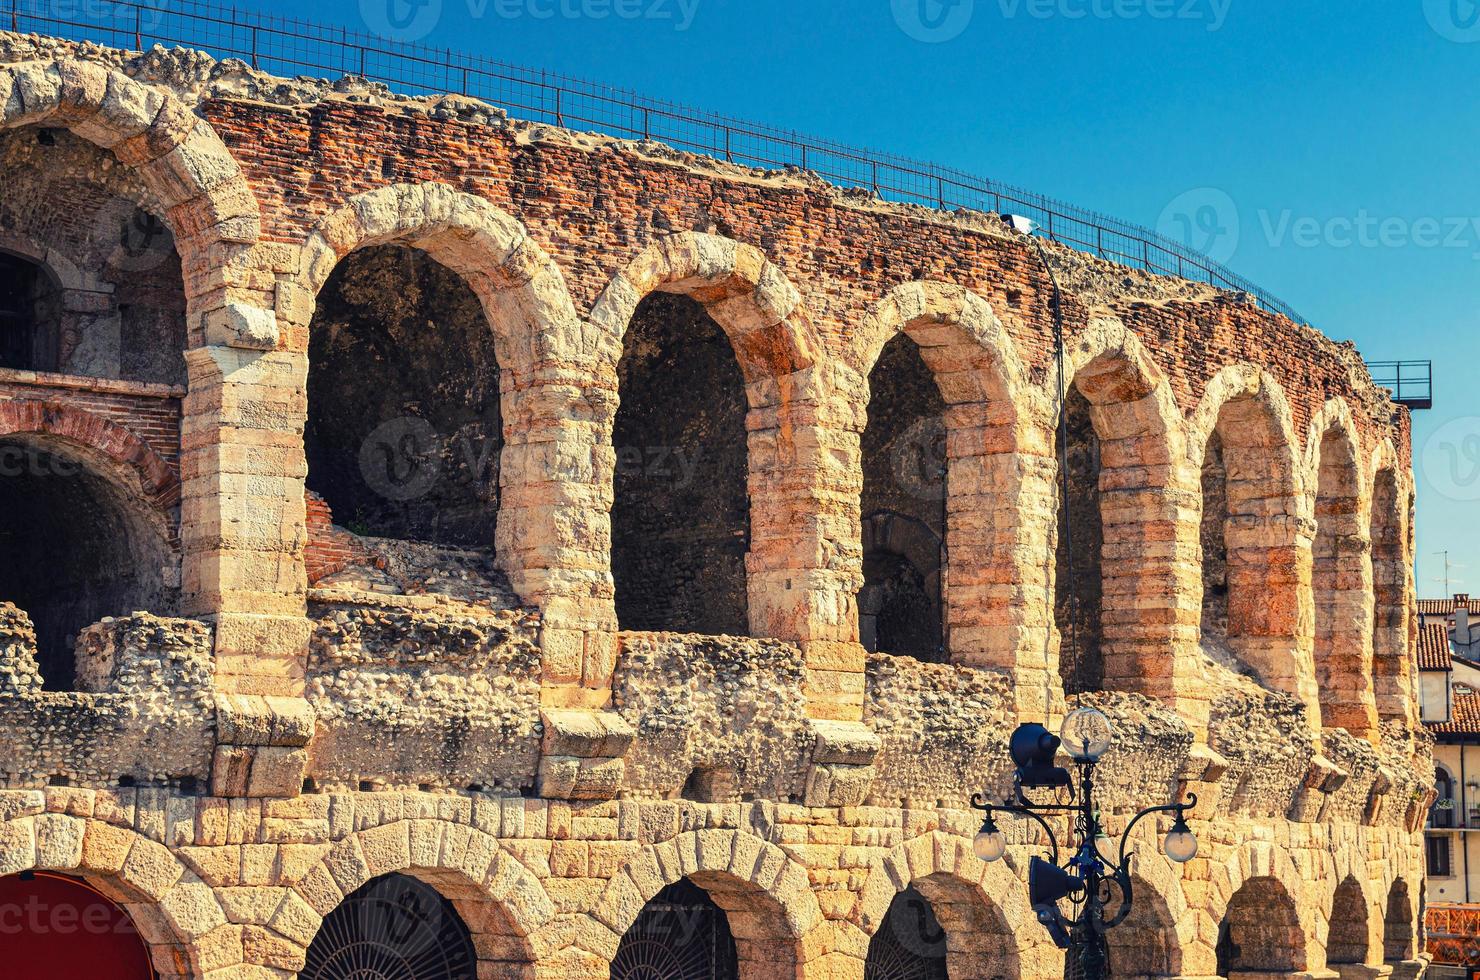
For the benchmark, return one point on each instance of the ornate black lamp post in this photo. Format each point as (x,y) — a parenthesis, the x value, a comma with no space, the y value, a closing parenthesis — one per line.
(1091,881)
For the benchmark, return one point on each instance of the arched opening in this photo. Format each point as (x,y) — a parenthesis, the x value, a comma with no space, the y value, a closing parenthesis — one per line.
(1399,926)
(910,943)
(52,925)
(942,926)
(119,311)
(1341,580)
(900,607)
(75,545)
(1078,586)
(681,510)
(681,933)
(1251,554)
(1145,943)
(404,431)
(1260,931)
(1391,666)
(394,927)
(1348,938)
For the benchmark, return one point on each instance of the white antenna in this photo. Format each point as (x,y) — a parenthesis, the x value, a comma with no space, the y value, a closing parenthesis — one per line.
(1448,566)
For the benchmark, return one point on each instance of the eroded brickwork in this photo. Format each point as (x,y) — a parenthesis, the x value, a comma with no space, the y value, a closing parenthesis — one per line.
(351,695)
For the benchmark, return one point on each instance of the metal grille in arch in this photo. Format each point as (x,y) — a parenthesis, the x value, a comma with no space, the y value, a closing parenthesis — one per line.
(680,935)
(392,928)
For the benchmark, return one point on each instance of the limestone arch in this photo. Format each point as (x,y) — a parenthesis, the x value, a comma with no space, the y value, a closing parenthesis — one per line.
(989,900)
(60,269)
(766,895)
(1388,493)
(1400,922)
(1144,618)
(1341,572)
(1352,935)
(178,916)
(535,330)
(182,160)
(982,381)
(503,904)
(1272,871)
(152,477)
(1266,532)
(1154,939)
(789,594)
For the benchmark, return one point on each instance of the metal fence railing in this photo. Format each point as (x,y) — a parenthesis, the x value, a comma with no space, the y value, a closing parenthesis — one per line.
(1411,382)
(283,46)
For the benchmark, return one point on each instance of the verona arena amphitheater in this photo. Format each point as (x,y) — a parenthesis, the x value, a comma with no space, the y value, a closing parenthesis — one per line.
(573,530)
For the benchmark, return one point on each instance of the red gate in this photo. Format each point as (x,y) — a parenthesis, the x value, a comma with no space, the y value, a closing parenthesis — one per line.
(55,926)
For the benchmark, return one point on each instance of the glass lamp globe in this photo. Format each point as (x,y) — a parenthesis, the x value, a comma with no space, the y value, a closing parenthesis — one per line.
(1086,734)
(989,845)
(1180,844)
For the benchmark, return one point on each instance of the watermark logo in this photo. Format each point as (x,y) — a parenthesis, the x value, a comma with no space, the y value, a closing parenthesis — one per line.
(401,459)
(1213,13)
(933,21)
(1454,20)
(1451,459)
(915,928)
(136,240)
(401,20)
(144,16)
(918,458)
(1204,219)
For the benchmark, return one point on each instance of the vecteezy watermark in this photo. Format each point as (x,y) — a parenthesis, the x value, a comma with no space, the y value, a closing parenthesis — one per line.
(1451,459)
(918,459)
(38,917)
(1365,230)
(1454,20)
(23,460)
(144,16)
(1211,13)
(134,239)
(1204,219)
(933,21)
(412,20)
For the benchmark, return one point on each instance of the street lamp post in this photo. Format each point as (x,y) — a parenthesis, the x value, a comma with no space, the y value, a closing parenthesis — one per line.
(1091,881)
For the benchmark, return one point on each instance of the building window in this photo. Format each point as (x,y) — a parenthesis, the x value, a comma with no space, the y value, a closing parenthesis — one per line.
(1437,846)
(1441,814)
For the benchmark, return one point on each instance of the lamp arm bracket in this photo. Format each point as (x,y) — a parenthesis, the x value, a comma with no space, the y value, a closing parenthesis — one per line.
(1178,808)
(978,802)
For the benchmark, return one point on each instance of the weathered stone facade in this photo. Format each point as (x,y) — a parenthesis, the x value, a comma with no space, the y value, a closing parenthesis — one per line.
(334,707)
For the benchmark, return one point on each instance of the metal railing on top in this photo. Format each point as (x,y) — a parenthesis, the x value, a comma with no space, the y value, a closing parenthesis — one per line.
(283,46)
(1411,382)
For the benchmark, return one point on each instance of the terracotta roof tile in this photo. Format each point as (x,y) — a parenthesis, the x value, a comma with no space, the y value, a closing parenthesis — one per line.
(1433,648)
(1464,717)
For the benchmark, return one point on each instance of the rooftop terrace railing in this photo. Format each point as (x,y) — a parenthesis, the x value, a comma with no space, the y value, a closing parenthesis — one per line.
(283,46)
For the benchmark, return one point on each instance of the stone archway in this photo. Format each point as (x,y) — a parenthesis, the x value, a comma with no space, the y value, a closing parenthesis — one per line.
(1129,479)
(988,930)
(57,925)
(177,915)
(501,903)
(1399,924)
(1349,931)
(778,351)
(766,897)
(88,515)
(1341,577)
(1389,503)
(1260,931)
(1148,942)
(1255,541)
(990,457)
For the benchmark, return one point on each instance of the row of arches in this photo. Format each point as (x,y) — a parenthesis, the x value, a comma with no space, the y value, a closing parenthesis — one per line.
(687,456)
(370,911)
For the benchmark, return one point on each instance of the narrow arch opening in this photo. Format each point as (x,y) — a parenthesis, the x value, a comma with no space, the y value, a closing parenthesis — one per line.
(681,933)
(681,509)
(1390,661)
(1399,925)
(1340,581)
(404,429)
(77,546)
(1260,931)
(900,607)
(123,315)
(1145,944)
(1214,542)
(60,926)
(1348,940)
(392,927)
(1078,595)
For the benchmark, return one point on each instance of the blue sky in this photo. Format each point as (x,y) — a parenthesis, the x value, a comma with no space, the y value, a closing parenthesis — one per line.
(1334,143)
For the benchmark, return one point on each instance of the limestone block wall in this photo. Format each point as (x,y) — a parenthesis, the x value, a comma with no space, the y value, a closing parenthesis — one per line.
(482,722)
